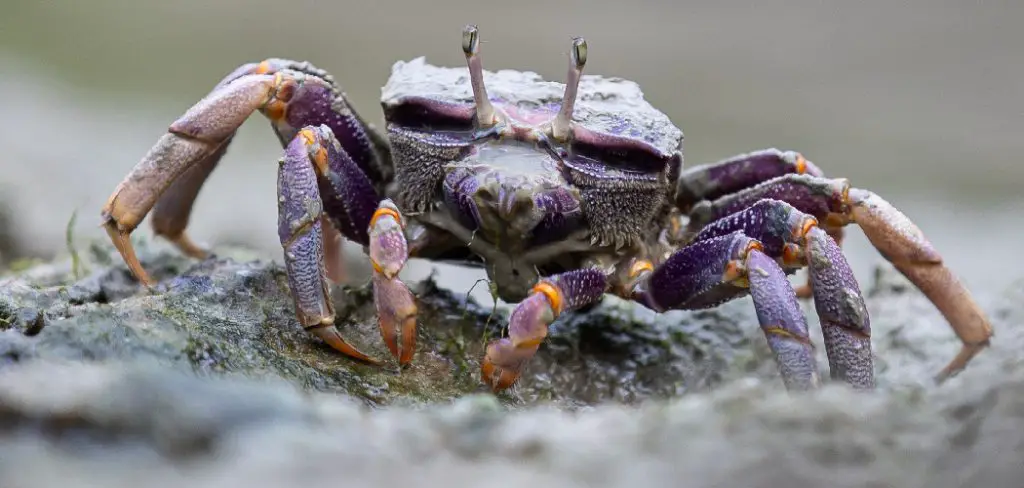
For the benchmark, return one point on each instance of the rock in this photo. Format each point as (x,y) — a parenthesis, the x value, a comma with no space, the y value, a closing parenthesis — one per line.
(227,315)
(209,381)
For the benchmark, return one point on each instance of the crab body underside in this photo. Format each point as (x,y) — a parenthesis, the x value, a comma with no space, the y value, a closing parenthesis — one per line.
(563,192)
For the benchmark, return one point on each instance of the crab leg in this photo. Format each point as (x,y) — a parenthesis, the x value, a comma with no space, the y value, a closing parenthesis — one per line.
(396,309)
(350,204)
(193,138)
(904,245)
(712,181)
(174,207)
(724,267)
(291,94)
(528,324)
(795,239)
(300,229)
(895,236)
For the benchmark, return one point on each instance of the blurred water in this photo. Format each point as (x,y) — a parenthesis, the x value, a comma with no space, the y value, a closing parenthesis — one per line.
(919,100)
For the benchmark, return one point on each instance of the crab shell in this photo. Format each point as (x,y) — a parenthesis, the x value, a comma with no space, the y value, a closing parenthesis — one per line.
(519,189)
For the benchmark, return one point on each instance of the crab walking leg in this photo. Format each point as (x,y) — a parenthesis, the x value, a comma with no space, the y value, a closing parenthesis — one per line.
(841,309)
(396,308)
(715,180)
(528,324)
(333,259)
(833,203)
(715,270)
(300,229)
(193,138)
(905,246)
(174,207)
(794,239)
(348,196)
(709,182)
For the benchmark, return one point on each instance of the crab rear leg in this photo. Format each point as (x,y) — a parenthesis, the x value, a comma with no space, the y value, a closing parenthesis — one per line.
(528,324)
(905,246)
(195,137)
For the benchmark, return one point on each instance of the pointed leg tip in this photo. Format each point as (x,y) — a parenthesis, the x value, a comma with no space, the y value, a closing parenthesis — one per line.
(959,363)
(187,246)
(405,351)
(122,242)
(333,338)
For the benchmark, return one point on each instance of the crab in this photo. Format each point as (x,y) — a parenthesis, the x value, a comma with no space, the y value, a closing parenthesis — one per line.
(563,193)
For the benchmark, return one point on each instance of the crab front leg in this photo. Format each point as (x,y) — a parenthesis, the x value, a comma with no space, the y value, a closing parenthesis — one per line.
(396,308)
(300,228)
(528,324)
(318,182)
(905,246)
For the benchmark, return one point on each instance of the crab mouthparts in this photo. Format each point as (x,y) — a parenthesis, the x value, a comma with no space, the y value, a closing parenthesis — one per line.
(507,207)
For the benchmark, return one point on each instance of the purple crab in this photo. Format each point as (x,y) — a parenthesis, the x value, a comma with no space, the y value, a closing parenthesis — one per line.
(562,192)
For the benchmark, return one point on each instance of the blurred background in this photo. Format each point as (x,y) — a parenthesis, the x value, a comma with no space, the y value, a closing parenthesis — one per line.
(918,100)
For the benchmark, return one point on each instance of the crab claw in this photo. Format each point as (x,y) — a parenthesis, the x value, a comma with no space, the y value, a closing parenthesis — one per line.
(396,312)
(906,247)
(396,308)
(527,328)
(388,247)
(528,324)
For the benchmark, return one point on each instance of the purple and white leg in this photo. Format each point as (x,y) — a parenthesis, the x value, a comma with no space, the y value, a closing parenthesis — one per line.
(325,183)
(313,175)
(721,268)
(794,240)
(528,324)
(712,192)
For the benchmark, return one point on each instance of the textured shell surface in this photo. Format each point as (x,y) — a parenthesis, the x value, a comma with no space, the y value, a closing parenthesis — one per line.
(605,104)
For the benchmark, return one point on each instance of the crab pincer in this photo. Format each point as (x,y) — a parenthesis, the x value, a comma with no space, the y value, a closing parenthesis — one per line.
(528,324)
(396,307)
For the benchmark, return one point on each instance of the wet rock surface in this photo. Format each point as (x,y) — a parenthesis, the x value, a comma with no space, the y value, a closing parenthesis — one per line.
(208,379)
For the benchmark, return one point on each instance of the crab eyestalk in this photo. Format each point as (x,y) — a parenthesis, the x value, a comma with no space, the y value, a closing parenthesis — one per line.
(485,114)
(562,124)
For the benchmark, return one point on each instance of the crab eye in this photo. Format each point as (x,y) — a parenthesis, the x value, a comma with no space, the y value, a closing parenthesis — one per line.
(429,114)
(620,152)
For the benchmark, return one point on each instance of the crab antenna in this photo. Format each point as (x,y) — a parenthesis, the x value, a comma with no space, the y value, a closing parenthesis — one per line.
(577,59)
(471,46)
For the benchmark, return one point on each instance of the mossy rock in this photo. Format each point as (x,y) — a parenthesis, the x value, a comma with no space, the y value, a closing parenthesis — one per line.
(231,314)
